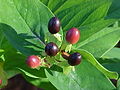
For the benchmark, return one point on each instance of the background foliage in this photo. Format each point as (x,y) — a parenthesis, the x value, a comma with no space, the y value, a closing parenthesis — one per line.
(23,32)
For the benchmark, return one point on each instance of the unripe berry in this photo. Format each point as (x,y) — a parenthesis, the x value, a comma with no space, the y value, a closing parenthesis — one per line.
(73,35)
(54,25)
(33,61)
(51,49)
(74,59)
(0,81)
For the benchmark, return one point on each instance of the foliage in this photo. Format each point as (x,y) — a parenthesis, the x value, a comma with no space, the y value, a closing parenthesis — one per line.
(24,32)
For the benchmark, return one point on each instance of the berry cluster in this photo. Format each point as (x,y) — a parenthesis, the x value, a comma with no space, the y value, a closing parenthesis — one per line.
(51,49)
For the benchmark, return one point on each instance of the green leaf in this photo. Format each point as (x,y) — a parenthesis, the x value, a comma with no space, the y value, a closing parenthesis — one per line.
(1,38)
(49,86)
(76,13)
(95,15)
(118,84)
(113,54)
(33,73)
(112,66)
(15,62)
(38,77)
(41,83)
(27,73)
(25,25)
(8,56)
(89,17)
(89,57)
(13,59)
(1,52)
(114,11)
(111,60)
(2,76)
(111,57)
(90,29)
(84,77)
(93,22)
(4,44)
(101,42)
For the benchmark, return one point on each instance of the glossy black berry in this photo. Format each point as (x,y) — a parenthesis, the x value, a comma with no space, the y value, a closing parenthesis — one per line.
(74,59)
(54,25)
(114,82)
(51,49)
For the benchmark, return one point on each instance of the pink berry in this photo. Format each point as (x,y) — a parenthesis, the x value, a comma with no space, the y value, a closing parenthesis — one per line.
(73,35)
(0,81)
(33,61)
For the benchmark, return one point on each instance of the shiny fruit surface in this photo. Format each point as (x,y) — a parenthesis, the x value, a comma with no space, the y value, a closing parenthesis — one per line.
(33,61)
(54,25)
(74,59)
(73,35)
(51,49)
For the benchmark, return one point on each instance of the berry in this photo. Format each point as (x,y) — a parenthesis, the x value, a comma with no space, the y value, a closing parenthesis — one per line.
(114,82)
(51,49)
(65,55)
(33,61)
(73,35)
(0,81)
(74,59)
(54,25)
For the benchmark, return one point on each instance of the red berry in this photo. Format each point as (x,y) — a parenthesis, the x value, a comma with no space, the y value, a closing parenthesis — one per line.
(33,61)
(0,81)
(73,35)
(51,49)
(54,25)
(74,59)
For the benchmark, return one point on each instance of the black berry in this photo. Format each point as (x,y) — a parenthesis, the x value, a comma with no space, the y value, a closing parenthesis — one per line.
(74,59)
(54,25)
(51,49)
(114,82)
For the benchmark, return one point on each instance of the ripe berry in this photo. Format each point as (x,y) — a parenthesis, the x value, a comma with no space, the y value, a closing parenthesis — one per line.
(51,49)
(74,59)
(114,82)
(33,61)
(73,35)
(54,25)
(0,81)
